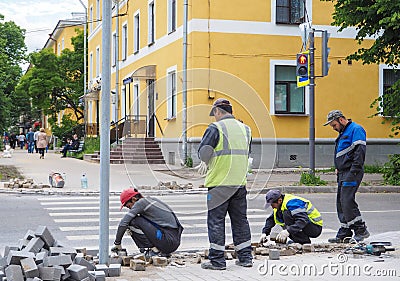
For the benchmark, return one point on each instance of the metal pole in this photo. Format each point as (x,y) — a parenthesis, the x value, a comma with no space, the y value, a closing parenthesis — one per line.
(84,67)
(184,82)
(116,71)
(312,105)
(105,132)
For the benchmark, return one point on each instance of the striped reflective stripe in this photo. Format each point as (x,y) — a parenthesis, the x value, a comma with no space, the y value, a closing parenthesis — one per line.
(217,247)
(225,143)
(136,230)
(231,152)
(344,225)
(299,210)
(350,148)
(317,219)
(356,219)
(243,245)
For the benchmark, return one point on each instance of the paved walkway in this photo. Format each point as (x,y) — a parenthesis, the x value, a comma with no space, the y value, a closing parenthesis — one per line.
(148,177)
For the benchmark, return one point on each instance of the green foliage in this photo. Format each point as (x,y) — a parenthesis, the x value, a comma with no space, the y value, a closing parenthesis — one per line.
(91,145)
(189,162)
(328,170)
(310,179)
(379,19)
(12,55)
(373,169)
(391,173)
(66,128)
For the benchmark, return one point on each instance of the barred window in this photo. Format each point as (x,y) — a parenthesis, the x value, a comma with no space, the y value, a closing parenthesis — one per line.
(390,76)
(290,11)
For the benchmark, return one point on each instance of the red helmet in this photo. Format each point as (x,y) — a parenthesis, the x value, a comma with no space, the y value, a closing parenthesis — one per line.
(126,195)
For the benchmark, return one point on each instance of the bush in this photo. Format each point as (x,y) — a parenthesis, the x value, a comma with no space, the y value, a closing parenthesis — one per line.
(189,162)
(91,145)
(391,170)
(310,179)
(373,169)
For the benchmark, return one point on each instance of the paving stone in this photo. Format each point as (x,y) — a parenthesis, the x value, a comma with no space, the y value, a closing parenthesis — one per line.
(139,257)
(102,267)
(22,243)
(7,250)
(34,245)
(308,248)
(114,270)
(115,260)
(84,262)
(126,261)
(61,268)
(14,257)
(99,276)
(39,258)
(64,260)
(14,273)
(160,261)
(3,262)
(46,273)
(44,233)
(34,279)
(2,274)
(138,265)
(29,268)
(78,272)
(57,273)
(54,251)
(287,252)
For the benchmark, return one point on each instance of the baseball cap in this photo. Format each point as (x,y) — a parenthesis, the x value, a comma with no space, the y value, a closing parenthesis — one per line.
(333,115)
(218,103)
(272,196)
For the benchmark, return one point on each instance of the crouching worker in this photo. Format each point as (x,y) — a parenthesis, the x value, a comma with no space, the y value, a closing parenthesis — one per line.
(154,227)
(296,215)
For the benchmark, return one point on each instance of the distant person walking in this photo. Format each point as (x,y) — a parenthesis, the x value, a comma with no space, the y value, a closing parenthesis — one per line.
(35,137)
(21,139)
(30,138)
(42,142)
(350,148)
(13,140)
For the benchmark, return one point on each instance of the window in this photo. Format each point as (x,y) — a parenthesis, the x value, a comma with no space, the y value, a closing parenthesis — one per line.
(98,12)
(288,98)
(91,66)
(123,102)
(389,104)
(124,47)
(91,19)
(151,23)
(136,111)
(171,15)
(114,50)
(136,27)
(97,61)
(290,11)
(62,44)
(171,94)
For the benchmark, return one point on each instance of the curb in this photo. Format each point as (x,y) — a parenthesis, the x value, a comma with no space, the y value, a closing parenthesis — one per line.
(284,189)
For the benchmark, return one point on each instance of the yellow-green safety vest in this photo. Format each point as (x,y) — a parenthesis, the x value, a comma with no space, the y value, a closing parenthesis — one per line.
(229,165)
(313,214)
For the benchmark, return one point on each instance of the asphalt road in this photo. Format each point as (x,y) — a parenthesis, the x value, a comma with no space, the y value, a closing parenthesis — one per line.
(20,213)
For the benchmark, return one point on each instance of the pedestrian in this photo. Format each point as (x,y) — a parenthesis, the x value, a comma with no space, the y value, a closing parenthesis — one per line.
(13,140)
(153,225)
(350,148)
(297,216)
(30,139)
(70,145)
(35,137)
(225,148)
(42,142)
(21,139)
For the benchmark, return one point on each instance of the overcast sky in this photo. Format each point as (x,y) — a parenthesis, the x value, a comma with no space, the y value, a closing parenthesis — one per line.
(39,17)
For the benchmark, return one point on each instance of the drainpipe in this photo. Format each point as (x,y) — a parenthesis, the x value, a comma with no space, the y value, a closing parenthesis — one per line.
(116,70)
(184,82)
(84,67)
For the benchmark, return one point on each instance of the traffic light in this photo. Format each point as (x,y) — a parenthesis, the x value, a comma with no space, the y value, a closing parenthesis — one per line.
(303,65)
(325,53)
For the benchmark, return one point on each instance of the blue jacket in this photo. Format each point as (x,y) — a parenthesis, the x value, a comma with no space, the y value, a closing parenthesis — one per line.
(350,149)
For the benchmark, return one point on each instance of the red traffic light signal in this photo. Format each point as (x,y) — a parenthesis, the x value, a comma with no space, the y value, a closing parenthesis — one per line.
(302,68)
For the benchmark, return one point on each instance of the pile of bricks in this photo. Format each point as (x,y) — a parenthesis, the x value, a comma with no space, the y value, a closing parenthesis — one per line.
(24,183)
(39,257)
(172,186)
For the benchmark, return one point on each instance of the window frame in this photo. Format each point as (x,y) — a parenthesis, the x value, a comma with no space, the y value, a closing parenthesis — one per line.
(124,43)
(382,86)
(114,49)
(172,93)
(290,9)
(97,61)
(172,16)
(136,32)
(151,22)
(136,101)
(273,64)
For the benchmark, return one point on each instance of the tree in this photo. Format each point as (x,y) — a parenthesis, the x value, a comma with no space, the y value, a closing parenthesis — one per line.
(54,83)
(379,19)
(12,54)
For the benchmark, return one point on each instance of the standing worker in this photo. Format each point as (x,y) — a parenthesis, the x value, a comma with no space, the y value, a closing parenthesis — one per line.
(299,218)
(350,148)
(225,148)
(153,225)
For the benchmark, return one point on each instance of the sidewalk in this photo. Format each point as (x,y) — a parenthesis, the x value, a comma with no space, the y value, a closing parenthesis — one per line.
(148,177)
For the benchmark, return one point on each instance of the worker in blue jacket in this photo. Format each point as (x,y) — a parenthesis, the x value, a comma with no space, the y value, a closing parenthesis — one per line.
(350,148)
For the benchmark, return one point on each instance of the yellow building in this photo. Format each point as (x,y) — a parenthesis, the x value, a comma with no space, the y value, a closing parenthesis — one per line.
(59,40)
(243,52)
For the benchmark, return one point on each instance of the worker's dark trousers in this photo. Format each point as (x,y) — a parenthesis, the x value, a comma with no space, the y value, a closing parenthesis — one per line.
(147,235)
(303,237)
(347,208)
(222,200)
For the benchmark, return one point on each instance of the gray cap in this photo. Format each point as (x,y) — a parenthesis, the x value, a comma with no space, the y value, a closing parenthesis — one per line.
(272,196)
(333,115)
(218,103)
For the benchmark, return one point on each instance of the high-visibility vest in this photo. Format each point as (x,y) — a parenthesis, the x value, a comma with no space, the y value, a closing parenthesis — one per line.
(313,214)
(229,165)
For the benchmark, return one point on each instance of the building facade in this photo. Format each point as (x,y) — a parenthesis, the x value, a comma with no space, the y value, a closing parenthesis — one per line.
(246,53)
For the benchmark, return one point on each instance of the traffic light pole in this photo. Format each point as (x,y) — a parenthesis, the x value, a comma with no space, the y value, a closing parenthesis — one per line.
(312,105)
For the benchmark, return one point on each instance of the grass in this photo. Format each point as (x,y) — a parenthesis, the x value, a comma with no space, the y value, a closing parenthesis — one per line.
(9,172)
(91,145)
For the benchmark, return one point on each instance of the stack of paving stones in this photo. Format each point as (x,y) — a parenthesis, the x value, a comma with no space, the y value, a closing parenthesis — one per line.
(39,257)
(24,183)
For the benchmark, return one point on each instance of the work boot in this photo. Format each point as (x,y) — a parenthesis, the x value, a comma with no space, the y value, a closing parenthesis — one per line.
(361,235)
(247,263)
(209,265)
(335,240)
